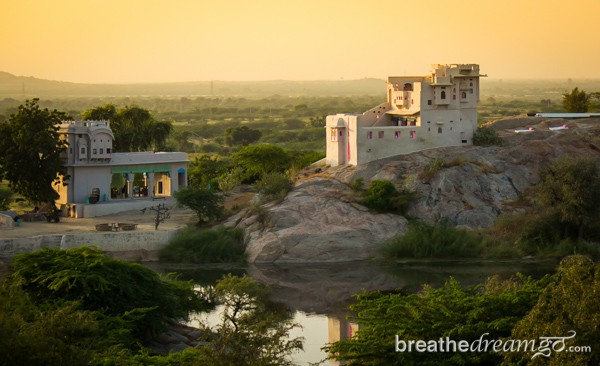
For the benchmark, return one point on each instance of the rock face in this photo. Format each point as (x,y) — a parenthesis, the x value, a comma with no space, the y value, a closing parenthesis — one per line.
(476,184)
(316,222)
(467,186)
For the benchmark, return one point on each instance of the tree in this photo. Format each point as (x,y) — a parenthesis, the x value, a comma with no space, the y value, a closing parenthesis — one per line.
(116,288)
(568,303)
(241,135)
(206,203)
(382,196)
(205,170)
(31,152)
(134,127)
(577,101)
(161,214)
(259,159)
(453,311)
(571,187)
(5,198)
(486,136)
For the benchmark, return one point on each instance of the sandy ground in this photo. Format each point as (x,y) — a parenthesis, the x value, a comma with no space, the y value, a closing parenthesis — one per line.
(180,217)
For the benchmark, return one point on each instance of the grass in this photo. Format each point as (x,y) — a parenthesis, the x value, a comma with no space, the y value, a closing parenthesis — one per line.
(216,245)
(434,241)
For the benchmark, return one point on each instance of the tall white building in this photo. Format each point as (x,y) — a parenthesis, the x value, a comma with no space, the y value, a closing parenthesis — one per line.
(421,112)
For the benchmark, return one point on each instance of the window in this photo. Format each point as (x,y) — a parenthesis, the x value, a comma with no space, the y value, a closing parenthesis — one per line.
(397,135)
(334,135)
(443,94)
(471,91)
(439,130)
(408,87)
(94,151)
(108,150)
(101,151)
(83,150)
(463,95)
(429,102)
(381,134)
(413,134)
(369,135)
(454,97)
(70,150)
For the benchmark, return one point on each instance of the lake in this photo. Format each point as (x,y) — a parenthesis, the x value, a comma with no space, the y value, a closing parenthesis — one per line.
(319,294)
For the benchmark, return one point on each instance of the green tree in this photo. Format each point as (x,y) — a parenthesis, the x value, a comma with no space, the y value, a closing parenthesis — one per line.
(571,187)
(31,152)
(259,159)
(207,204)
(454,311)
(382,196)
(135,128)
(577,101)
(569,302)
(114,287)
(486,136)
(205,171)
(5,198)
(241,135)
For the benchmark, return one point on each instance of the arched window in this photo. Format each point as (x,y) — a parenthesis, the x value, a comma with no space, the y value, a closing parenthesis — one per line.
(463,95)
(407,87)
(439,130)
(443,94)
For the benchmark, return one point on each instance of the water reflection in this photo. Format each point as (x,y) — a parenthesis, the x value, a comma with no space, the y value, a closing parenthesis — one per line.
(319,294)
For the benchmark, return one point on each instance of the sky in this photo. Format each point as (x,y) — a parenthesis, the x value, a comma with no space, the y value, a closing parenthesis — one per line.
(125,41)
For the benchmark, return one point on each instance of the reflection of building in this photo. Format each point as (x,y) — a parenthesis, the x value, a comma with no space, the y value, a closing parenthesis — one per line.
(97,175)
(340,329)
(421,112)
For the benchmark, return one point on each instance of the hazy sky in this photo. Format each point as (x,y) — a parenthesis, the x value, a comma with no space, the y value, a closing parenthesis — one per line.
(122,41)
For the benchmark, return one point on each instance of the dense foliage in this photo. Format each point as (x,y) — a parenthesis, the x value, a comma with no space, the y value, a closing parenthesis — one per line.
(206,203)
(577,101)
(260,159)
(438,241)
(454,311)
(569,302)
(98,283)
(30,157)
(135,128)
(274,184)
(571,187)
(486,136)
(241,135)
(6,196)
(216,245)
(382,196)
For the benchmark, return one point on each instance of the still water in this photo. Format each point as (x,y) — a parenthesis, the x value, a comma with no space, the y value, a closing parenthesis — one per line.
(319,294)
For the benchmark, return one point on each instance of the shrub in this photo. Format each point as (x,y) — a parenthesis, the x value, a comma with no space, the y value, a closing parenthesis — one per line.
(257,160)
(303,160)
(207,204)
(216,245)
(382,196)
(486,136)
(5,198)
(438,241)
(99,283)
(274,185)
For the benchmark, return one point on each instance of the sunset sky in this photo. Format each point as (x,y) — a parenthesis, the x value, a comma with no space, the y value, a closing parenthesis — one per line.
(120,41)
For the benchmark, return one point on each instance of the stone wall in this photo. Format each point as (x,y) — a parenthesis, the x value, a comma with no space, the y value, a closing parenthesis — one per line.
(139,245)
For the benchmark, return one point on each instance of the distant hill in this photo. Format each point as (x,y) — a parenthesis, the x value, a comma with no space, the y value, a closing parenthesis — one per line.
(20,86)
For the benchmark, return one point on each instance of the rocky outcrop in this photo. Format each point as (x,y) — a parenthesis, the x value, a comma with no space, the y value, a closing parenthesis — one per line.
(468,186)
(471,186)
(316,222)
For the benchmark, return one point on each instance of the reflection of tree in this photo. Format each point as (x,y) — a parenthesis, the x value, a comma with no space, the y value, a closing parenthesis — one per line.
(253,331)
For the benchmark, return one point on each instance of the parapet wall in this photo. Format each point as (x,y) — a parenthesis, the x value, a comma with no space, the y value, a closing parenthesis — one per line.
(140,245)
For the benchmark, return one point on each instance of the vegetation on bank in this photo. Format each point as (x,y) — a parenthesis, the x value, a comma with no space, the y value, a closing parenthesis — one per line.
(519,308)
(559,218)
(79,307)
(216,245)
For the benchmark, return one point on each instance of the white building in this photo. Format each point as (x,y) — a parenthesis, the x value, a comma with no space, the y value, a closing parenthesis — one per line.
(421,112)
(102,182)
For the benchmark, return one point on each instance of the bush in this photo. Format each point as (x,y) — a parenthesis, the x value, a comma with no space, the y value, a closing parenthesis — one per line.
(274,185)
(382,196)
(486,136)
(257,160)
(218,245)
(5,198)
(438,241)
(99,283)
(207,204)
(305,159)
